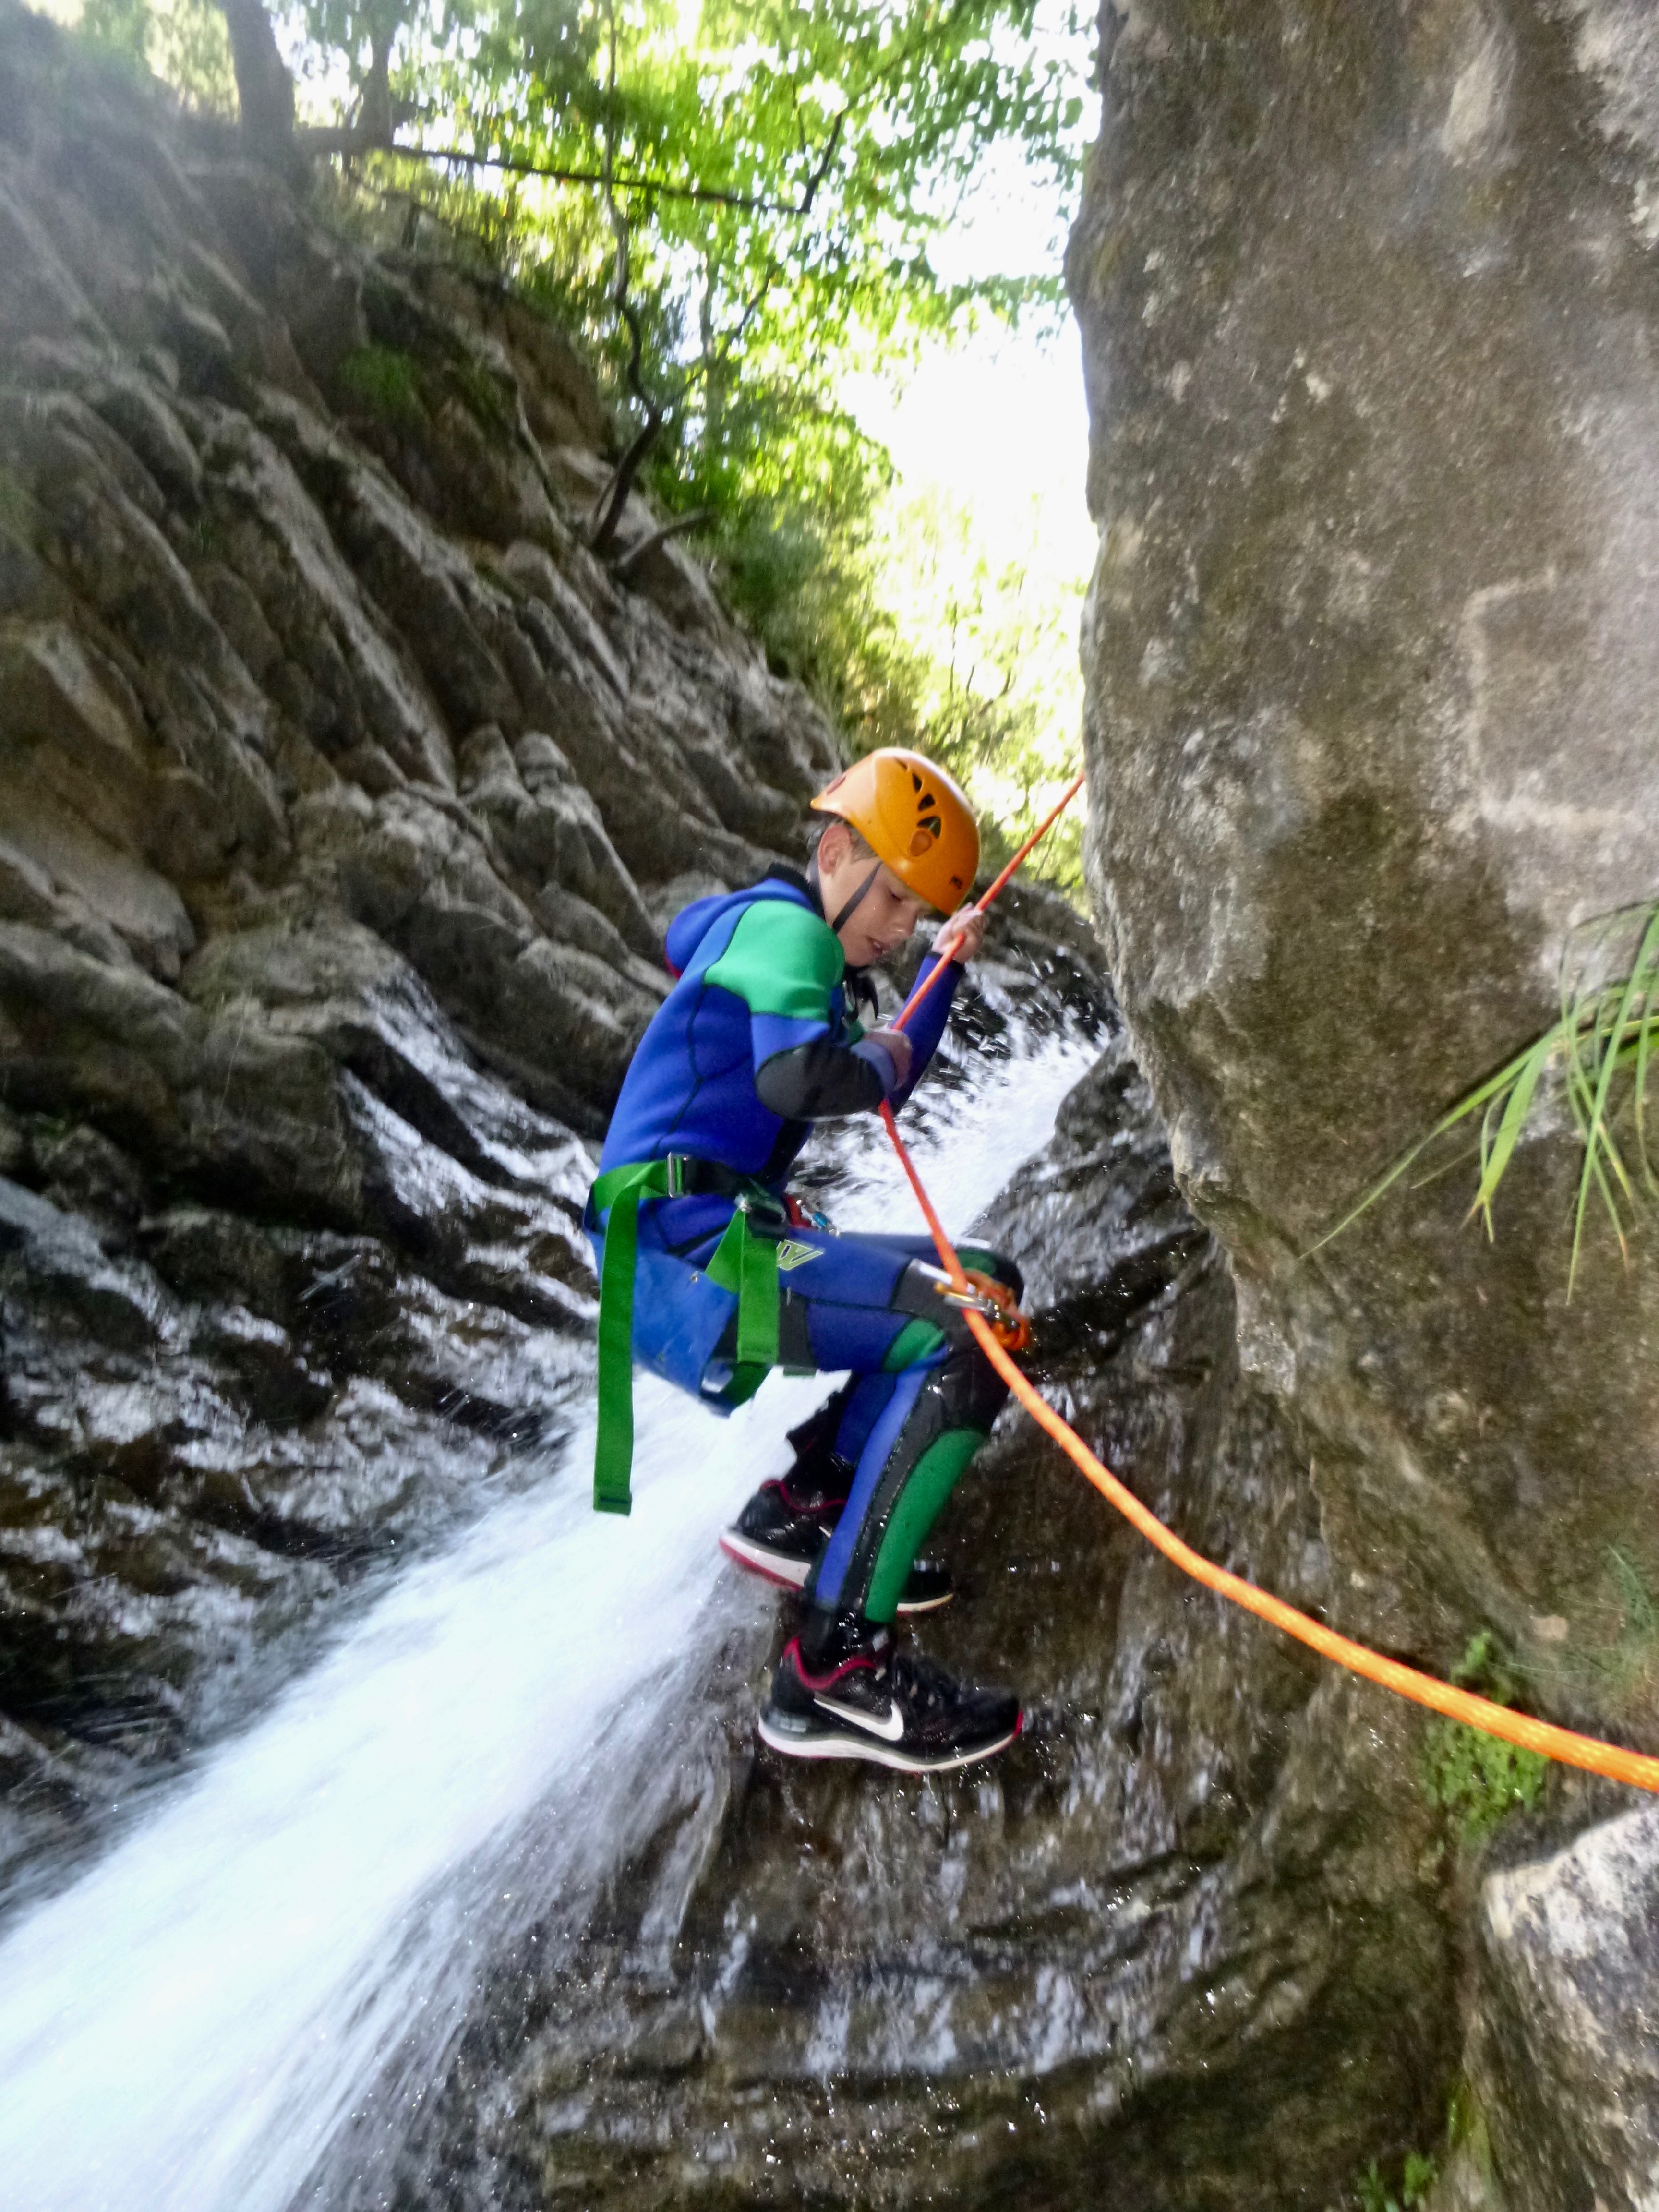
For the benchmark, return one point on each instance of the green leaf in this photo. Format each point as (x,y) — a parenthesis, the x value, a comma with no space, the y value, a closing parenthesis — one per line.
(1602,1043)
(1516,1107)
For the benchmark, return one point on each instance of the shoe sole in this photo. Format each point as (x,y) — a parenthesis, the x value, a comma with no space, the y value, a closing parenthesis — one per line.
(878,1754)
(788,1574)
(791,1574)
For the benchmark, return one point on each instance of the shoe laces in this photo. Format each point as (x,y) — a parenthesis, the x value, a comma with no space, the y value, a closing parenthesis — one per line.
(921,1682)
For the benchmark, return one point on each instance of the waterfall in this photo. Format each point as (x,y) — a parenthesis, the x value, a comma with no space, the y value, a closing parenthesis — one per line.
(189,2025)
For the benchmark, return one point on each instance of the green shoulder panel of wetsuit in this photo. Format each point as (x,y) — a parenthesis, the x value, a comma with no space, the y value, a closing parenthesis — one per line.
(781,961)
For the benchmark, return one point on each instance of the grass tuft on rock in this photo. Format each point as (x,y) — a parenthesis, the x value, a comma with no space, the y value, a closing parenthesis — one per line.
(1418,2177)
(384,381)
(1597,1055)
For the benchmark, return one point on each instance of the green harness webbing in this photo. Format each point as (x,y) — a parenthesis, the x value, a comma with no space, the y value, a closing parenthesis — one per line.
(744,1261)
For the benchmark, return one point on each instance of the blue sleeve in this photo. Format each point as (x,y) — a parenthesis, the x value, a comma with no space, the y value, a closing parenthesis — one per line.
(770,1034)
(927,1026)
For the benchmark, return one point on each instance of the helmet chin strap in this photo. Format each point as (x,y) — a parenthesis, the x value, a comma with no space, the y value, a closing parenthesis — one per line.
(817,885)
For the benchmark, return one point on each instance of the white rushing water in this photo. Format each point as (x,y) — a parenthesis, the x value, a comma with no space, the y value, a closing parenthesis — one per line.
(187,2027)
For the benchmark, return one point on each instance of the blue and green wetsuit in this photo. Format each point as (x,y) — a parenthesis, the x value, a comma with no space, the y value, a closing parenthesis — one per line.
(756,1041)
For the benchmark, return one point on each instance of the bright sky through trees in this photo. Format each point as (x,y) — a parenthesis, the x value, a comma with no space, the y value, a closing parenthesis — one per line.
(984,544)
(988,432)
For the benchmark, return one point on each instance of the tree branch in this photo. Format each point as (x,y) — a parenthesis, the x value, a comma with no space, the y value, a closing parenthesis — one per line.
(357,138)
(722,353)
(264,91)
(352,139)
(694,521)
(822,169)
(608,508)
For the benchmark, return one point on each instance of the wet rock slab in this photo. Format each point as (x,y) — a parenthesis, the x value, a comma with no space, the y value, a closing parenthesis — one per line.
(1161,1950)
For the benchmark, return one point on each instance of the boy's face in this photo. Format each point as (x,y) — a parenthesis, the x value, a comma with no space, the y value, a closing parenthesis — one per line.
(884,917)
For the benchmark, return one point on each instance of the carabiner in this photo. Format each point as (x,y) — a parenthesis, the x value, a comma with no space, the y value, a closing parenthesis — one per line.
(991,1300)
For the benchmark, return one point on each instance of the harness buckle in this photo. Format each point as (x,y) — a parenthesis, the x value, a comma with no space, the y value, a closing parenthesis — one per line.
(766,1216)
(675,1165)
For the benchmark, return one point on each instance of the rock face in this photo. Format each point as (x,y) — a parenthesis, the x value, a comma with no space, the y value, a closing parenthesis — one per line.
(1372,651)
(342,795)
(1160,1954)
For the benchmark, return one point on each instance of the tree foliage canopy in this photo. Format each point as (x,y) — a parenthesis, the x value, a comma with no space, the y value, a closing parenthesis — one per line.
(732,202)
(782,169)
(783,173)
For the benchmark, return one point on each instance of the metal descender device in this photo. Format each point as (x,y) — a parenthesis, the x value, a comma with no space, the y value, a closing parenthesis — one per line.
(989,1298)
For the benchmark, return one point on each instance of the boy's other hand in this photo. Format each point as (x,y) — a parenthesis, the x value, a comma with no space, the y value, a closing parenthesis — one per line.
(962,937)
(897,1046)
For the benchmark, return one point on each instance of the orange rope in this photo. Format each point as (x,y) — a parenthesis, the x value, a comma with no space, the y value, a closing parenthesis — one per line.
(981,904)
(1542,1736)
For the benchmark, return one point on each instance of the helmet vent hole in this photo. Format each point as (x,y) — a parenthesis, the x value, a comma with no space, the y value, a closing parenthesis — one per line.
(915,780)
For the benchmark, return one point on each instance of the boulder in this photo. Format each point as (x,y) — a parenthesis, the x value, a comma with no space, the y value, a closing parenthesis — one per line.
(1568,1952)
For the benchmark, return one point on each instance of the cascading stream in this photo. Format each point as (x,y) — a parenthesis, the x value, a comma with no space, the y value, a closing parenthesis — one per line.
(190,2026)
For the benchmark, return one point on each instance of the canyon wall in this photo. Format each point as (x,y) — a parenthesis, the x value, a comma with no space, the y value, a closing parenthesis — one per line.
(342,796)
(1371,308)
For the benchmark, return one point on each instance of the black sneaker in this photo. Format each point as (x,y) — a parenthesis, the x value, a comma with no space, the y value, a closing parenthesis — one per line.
(779,1534)
(892,1708)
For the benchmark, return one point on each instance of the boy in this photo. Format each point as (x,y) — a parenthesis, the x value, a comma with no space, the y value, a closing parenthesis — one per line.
(710,1274)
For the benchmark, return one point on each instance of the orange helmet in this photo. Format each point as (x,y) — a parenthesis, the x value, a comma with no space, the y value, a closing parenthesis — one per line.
(914,818)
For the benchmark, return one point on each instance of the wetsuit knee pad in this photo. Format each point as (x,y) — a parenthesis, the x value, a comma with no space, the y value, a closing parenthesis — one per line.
(951,1417)
(970,1392)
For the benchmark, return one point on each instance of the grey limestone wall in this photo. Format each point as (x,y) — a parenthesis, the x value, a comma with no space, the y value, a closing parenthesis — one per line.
(1370,308)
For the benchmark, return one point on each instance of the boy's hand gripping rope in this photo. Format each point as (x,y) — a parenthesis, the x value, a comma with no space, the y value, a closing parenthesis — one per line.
(1542,1736)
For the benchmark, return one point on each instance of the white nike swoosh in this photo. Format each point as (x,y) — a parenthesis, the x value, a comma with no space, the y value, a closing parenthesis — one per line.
(889,1728)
